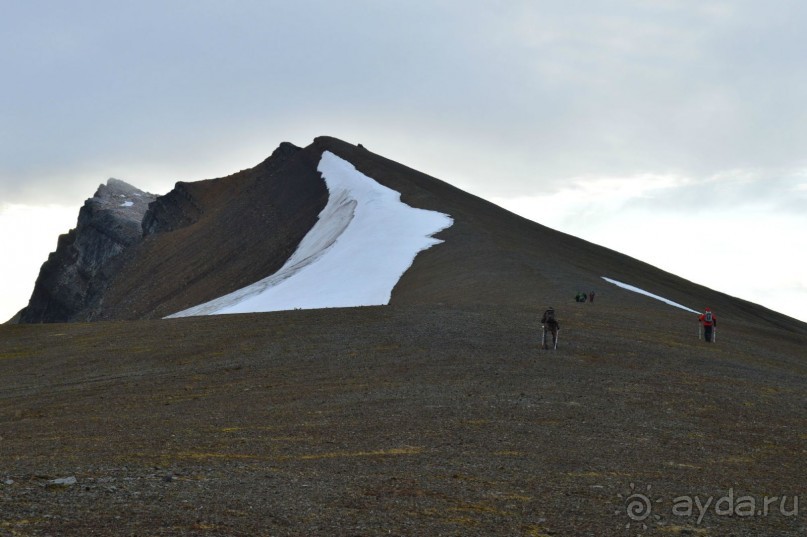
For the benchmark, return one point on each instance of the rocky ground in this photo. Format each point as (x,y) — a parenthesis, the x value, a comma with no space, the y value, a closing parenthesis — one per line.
(403,420)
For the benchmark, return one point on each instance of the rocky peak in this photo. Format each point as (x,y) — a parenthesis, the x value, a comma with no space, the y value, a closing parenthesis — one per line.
(280,155)
(116,210)
(108,223)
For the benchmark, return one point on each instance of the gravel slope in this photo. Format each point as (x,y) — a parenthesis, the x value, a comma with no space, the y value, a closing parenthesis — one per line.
(398,420)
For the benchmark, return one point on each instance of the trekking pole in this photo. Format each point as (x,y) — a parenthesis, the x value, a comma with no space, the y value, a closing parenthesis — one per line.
(714,334)
(543,336)
(700,330)
(557,337)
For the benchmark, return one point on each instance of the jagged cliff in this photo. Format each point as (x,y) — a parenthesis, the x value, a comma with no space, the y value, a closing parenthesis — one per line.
(108,223)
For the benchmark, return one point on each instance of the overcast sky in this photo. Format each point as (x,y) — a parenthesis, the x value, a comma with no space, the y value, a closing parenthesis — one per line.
(671,130)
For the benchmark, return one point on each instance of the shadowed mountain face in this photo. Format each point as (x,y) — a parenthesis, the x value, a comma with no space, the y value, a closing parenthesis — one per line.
(197,242)
(208,238)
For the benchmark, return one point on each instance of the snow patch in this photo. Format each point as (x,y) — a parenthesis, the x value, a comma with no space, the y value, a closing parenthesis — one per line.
(651,295)
(363,242)
(127,204)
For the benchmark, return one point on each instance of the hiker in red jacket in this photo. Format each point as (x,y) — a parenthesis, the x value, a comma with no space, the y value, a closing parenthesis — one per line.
(709,322)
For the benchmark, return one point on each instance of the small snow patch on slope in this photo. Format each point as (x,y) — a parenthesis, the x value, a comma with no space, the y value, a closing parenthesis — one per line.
(651,295)
(363,242)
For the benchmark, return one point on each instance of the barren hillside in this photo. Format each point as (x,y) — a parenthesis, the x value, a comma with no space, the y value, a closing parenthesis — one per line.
(398,420)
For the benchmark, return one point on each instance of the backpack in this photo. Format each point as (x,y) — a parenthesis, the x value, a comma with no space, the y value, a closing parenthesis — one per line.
(708,317)
(549,316)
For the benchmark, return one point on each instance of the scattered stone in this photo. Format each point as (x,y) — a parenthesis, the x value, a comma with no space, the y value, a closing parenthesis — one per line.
(62,482)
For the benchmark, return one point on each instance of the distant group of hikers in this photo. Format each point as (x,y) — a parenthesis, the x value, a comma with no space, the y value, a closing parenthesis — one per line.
(707,323)
(581,296)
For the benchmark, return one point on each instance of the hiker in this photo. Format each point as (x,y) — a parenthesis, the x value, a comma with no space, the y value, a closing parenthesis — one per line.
(549,322)
(709,322)
(591,296)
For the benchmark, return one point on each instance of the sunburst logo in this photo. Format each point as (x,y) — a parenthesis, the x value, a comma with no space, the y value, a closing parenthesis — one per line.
(638,506)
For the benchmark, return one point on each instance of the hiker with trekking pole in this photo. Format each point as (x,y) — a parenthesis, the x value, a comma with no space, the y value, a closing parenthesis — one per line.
(707,326)
(549,322)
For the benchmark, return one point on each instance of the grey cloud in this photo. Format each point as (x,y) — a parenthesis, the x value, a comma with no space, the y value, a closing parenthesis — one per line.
(750,193)
(542,91)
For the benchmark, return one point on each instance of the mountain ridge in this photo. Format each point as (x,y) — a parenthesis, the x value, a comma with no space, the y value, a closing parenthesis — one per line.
(207,238)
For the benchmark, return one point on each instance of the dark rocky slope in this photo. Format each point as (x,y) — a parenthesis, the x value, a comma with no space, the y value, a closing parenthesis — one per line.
(199,241)
(208,238)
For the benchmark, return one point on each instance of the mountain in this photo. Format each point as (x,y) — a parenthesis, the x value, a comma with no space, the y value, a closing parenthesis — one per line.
(209,238)
(436,414)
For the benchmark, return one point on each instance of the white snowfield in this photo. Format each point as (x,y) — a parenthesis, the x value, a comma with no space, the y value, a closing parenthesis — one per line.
(363,242)
(651,295)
